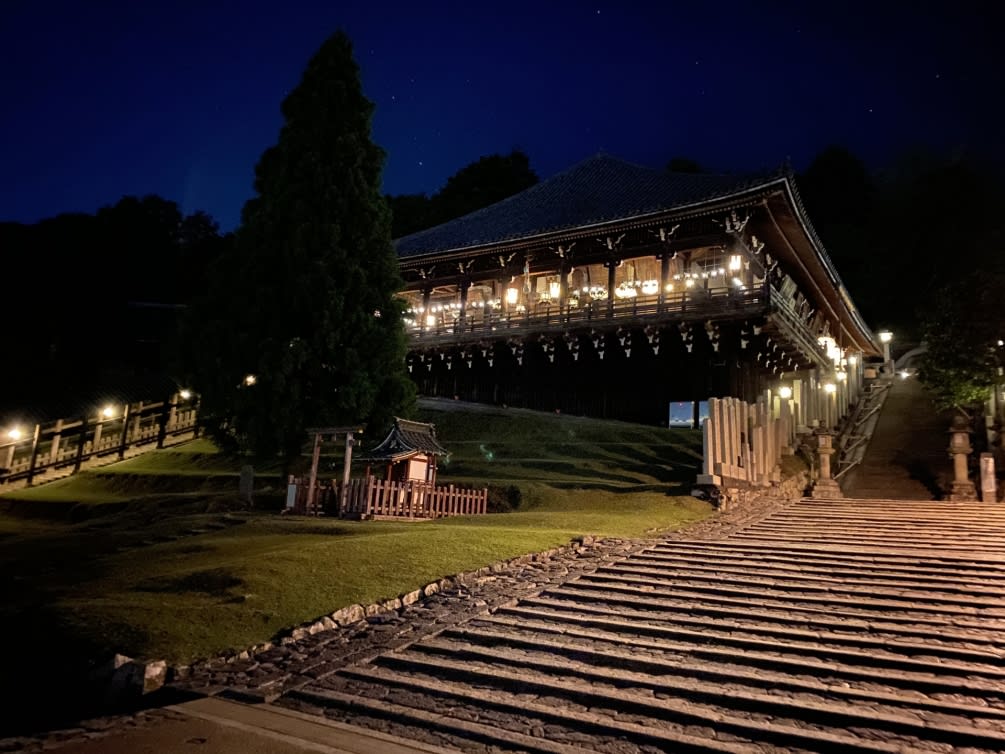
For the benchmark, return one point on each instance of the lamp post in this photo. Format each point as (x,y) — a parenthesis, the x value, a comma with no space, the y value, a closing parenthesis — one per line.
(962,489)
(885,336)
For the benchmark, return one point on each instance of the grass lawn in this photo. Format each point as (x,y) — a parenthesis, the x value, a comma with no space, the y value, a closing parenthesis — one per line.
(154,557)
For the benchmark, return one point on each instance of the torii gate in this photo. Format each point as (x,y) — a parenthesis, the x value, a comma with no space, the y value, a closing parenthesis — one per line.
(319,434)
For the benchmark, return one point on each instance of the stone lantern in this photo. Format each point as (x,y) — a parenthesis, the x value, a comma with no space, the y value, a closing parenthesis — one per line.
(825,486)
(962,489)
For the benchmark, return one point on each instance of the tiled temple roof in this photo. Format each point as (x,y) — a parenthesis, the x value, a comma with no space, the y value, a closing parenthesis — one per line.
(598,190)
(406,438)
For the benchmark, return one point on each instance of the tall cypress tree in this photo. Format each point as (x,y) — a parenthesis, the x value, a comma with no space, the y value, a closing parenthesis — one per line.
(306,301)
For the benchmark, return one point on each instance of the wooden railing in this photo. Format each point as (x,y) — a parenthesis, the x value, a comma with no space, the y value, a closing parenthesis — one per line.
(53,450)
(692,305)
(370,497)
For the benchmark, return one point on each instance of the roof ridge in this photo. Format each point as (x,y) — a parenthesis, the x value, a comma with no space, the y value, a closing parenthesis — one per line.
(536,188)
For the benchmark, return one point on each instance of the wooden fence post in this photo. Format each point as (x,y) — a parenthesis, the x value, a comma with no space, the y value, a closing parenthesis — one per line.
(124,436)
(34,453)
(81,441)
(54,447)
(167,411)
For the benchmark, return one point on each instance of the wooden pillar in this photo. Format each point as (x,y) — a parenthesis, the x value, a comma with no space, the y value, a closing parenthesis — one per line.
(81,441)
(349,442)
(664,277)
(313,478)
(563,286)
(611,266)
(167,412)
(34,452)
(462,319)
(124,435)
(426,293)
(57,434)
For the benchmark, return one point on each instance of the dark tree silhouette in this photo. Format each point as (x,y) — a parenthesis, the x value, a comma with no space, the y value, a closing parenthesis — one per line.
(306,302)
(684,165)
(486,181)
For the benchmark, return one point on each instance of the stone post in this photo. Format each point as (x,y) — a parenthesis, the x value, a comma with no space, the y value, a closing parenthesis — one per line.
(825,486)
(962,489)
(989,485)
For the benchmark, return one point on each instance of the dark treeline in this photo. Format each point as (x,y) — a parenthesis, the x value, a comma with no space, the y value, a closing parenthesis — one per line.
(486,181)
(93,299)
(901,234)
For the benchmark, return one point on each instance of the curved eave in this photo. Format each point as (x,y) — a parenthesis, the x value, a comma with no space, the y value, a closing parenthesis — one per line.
(799,245)
(680,212)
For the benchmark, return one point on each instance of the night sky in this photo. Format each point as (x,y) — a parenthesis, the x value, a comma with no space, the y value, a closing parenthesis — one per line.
(179,99)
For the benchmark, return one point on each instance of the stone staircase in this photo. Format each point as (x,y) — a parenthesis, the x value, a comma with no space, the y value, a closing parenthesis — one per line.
(839,626)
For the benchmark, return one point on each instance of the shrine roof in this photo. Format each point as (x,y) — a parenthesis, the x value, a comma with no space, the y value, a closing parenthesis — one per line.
(598,190)
(406,438)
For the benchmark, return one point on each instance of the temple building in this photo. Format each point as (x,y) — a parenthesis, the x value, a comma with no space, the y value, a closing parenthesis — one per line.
(614,290)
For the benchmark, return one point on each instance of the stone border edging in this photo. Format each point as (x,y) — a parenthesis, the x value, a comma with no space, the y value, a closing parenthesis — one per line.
(128,677)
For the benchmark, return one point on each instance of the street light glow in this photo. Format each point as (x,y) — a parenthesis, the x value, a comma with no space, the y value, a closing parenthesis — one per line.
(108,412)
(830,388)
(185,394)
(785,392)
(885,336)
(14,433)
(250,380)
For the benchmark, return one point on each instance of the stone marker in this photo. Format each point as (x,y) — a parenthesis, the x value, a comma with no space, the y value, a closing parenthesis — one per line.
(246,485)
(989,486)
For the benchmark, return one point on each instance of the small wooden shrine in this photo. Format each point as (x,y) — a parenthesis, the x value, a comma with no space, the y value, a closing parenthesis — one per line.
(408,453)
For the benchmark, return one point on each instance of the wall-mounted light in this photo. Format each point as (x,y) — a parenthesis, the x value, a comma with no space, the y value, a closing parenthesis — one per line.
(785,392)
(512,296)
(108,412)
(250,380)
(830,388)
(185,394)
(14,434)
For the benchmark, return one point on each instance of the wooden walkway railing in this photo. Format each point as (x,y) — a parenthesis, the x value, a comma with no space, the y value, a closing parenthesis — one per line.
(371,497)
(57,449)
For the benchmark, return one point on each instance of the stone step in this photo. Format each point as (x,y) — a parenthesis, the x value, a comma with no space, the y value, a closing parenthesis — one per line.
(795,569)
(735,631)
(795,598)
(918,539)
(429,720)
(915,536)
(658,671)
(990,598)
(769,621)
(729,606)
(882,519)
(963,727)
(931,662)
(929,559)
(607,708)
(929,678)
(858,543)
(943,510)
